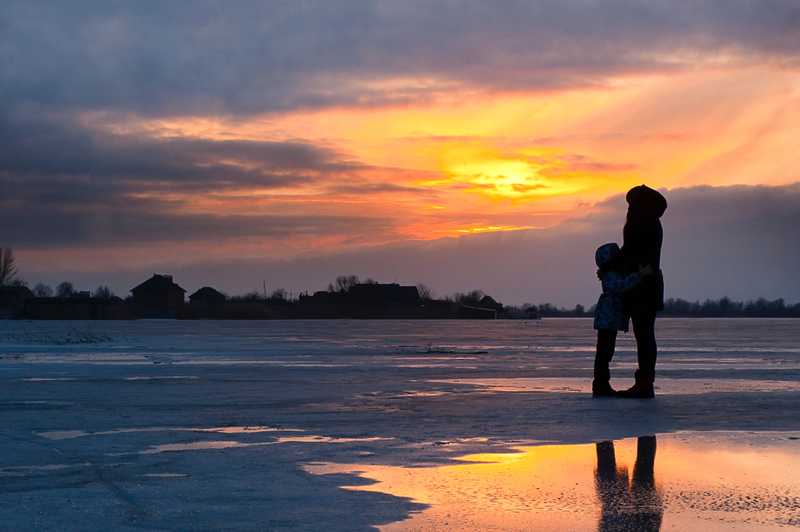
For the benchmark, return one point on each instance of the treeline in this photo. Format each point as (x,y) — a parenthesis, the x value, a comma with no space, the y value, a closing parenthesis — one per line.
(727,308)
(681,308)
(676,307)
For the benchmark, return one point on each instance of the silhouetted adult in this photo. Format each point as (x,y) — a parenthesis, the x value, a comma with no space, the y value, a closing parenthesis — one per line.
(628,507)
(642,238)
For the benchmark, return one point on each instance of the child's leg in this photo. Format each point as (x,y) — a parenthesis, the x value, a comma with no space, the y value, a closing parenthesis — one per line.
(606,343)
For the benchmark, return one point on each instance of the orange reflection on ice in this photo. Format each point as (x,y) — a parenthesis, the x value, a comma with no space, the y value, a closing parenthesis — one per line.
(680,483)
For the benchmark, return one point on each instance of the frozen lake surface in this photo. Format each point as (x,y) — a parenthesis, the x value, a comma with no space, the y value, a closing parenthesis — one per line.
(409,425)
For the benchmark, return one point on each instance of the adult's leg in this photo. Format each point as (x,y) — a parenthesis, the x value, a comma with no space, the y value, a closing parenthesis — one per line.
(606,343)
(644,322)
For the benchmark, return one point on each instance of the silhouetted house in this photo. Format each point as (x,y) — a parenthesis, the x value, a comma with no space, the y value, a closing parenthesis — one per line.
(368,300)
(158,297)
(206,303)
(207,296)
(490,303)
(12,300)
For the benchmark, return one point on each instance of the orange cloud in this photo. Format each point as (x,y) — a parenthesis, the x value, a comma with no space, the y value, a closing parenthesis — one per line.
(470,160)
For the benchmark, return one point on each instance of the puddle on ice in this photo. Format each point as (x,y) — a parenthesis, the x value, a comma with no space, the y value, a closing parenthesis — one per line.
(209,444)
(231,444)
(24,471)
(70,434)
(198,446)
(429,366)
(49,379)
(163,378)
(664,386)
(685,482)
(311,438)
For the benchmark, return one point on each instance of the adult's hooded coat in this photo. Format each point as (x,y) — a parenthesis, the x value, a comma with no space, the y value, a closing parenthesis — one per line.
(642,239)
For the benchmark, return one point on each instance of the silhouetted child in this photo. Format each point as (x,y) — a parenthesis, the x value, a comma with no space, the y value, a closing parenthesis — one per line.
(610,315)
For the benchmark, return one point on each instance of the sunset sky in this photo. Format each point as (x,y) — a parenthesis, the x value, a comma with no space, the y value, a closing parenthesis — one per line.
(233,141)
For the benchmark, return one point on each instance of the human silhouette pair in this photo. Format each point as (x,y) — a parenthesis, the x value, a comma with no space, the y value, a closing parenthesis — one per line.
(633,288)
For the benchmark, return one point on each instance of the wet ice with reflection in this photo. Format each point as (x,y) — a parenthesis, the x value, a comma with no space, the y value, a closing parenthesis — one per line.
(686,481)
(664,385)
(70,434)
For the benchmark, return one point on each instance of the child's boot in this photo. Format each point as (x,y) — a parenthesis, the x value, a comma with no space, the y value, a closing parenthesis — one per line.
(601,387)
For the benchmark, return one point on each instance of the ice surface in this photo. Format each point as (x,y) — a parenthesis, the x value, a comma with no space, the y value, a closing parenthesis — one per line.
(293,425)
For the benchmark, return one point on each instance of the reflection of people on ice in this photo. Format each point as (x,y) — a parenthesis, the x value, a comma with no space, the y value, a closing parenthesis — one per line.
(628,506)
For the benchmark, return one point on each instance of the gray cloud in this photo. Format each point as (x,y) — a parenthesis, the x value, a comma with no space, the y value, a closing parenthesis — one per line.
(216,57)
(50,146)
(65,185)
(136,222)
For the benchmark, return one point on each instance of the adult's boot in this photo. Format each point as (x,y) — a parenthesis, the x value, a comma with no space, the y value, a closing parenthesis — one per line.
(642,389)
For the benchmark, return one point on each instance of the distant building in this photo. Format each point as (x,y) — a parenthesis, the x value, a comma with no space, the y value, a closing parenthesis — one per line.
(207,296)
(368,300)
(12,300)
(158,297)
(375,294)
(207,303)
(490,303)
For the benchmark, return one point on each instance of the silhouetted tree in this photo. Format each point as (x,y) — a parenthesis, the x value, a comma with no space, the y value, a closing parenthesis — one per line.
(470,298)
(8,266)
(343,284)
(249,297)
(425,293)
(65,289)
(103,292)
(42,290)
(279,295)
(726,308)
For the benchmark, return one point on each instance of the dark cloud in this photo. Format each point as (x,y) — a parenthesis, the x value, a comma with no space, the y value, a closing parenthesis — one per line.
(59,146)
(131,224)
(65,185)
(214,57)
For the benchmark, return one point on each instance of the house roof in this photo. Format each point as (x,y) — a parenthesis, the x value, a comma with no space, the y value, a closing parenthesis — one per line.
(207,292)
(158,282)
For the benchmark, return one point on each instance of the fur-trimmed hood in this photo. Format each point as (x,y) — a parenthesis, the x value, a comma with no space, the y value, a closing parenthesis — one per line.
(646,201)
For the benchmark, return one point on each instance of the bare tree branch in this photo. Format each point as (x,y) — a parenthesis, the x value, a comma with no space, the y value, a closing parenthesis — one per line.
(8,266)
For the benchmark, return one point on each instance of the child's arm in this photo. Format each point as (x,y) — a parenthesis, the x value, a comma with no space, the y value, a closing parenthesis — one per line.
(617,284)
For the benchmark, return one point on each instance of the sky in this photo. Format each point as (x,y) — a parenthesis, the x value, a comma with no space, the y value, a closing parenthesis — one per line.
(460,144)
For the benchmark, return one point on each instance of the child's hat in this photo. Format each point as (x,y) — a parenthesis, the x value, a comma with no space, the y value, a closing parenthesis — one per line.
(605,253)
